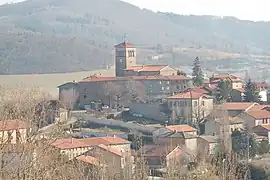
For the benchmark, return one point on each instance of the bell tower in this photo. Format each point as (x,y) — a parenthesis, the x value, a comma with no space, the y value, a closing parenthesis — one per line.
(125,57)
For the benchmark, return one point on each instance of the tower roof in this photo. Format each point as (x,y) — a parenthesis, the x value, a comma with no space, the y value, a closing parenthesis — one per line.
(125,44)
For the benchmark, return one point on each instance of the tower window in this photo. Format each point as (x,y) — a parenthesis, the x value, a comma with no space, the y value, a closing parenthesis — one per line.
(131,53)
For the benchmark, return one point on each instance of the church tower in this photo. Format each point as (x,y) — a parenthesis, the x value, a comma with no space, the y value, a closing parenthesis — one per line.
(125,57)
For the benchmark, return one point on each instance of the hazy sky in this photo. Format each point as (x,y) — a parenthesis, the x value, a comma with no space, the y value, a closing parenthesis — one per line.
(243,9)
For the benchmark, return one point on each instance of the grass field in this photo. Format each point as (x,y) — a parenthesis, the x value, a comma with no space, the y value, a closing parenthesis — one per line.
(48,82)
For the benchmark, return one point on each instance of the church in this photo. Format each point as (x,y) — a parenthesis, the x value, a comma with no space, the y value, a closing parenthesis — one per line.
(154,81)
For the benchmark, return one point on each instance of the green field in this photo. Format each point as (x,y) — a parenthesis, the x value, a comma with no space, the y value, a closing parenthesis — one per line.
(48,82)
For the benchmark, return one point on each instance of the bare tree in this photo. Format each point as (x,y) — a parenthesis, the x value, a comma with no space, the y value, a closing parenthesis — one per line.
(136,90)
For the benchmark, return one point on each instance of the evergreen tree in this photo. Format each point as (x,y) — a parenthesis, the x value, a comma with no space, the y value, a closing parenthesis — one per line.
(251,93)
(197,73)
(225,88)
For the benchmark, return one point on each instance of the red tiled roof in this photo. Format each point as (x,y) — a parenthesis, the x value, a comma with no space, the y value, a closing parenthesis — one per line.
(200,90)
(88,159)
(125,45)
(259,114)
(146,68)
(187,95)
(156,150)
(108,140)
(139,78)
(70,143)
(7,125)
(181,128)
(111,150)
(238,105)
(224,76)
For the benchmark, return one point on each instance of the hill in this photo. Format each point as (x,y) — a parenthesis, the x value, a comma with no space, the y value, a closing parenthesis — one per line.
(46,36)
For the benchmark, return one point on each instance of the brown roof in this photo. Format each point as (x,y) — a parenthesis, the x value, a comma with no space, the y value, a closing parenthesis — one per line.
(138,78)
(70,143)
(7,125)
(146,68)
(181,128)
(88,159)
(210,139)
(108,140)
(238,105)
(224,76)
(187,95)
(157,150)
(259,113)
(125,44)
(111,150)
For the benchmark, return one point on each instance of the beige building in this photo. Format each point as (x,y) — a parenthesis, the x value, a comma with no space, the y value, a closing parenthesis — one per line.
(125,57)
(207,145)
(14,131)
(236,82)
(190,105)
(70,147)
(107,89)
(218,125)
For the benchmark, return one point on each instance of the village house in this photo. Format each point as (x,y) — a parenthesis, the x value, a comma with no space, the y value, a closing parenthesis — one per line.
(175,128)
(217,126)
(114,142)
(236,82)
(207,145)
(235,108)
(14,131)
(174,139)
(255,117)
(262,130)
(163,157)
(70,147)
(180,104)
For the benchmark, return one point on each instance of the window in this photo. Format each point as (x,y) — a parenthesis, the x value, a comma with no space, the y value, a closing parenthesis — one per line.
(195,103)
(160,82)
(202,103)
(168,82)
(84,96)
(162,88)
(168,88)
(177,87)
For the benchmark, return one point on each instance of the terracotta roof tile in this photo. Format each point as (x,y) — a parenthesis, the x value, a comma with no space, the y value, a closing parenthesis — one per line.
(156,150)
(111,150)
(88,159)
(259,114)
(125,44)
(69,143)
(238,105)
(224,76)
(108,140)
(187,95)
(146,68)
(139,78)
(7,125)
(181,128)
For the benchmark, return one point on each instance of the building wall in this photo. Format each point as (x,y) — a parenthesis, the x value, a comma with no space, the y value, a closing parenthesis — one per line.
(13,136)
(120,147)
(212,127)
(114,162)
(237,84)
(74,152)
(249,122)
(69,95)
(200,108)
(151,111)
(191,143)
(123,60)
(167,71)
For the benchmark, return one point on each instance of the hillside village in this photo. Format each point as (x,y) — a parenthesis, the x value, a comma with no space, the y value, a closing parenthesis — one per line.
(147,121)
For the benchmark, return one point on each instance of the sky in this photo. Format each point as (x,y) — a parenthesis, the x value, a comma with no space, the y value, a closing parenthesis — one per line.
(256,10)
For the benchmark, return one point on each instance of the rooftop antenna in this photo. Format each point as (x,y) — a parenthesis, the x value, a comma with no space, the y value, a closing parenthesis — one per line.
(125,37)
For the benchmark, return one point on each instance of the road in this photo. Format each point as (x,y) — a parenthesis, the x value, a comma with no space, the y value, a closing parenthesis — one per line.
(111,122)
